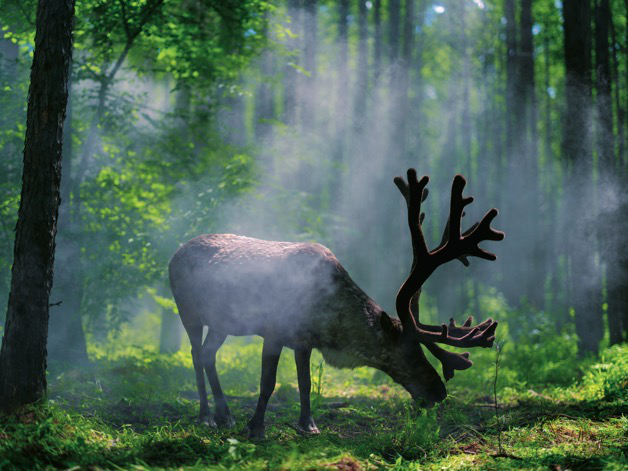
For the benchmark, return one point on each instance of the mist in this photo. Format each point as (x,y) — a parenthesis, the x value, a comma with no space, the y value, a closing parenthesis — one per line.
(303,146)
(228,218)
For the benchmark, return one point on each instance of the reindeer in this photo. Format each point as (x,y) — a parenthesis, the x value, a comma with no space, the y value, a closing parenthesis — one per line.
(298,295)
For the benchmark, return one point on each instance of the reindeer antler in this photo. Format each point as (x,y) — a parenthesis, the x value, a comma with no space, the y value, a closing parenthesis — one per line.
(453,245)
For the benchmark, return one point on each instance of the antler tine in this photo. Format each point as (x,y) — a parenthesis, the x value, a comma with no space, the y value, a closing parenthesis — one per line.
(443,241)
(414,199)
(453,245)
(450,361)
(456,206)
(458,245)
(465,338)
(456,332)
(414,194)
(484,231)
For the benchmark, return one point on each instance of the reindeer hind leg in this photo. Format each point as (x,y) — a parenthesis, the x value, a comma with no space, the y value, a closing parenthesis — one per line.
(212,343)
(195,332)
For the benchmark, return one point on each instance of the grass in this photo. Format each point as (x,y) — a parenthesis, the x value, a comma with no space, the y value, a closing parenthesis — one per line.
(136,409)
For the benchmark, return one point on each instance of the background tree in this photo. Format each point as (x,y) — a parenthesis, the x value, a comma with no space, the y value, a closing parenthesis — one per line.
(283,121)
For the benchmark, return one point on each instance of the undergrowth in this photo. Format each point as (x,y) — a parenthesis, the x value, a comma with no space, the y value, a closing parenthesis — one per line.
(136,409)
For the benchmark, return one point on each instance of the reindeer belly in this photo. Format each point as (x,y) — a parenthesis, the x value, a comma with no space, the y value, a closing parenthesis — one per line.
(254,305)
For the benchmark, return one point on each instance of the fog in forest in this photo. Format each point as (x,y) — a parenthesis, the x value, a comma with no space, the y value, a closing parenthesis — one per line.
(303,146)
(229,166)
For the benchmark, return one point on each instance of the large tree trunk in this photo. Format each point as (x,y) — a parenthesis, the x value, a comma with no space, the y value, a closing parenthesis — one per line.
(394,23)
(603,99)
(309,92)
(576,149)
(23,353)
(511,75)
(290,74)
(362,69)
(171,328)
(170,336)
(377,48)
(340,119)
(264,100)
(612,245)
(512,165)
(534,271)
(402,108)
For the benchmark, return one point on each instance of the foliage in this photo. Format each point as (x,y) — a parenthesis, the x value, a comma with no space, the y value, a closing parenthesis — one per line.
(608,379)
(138,408)
(181,124)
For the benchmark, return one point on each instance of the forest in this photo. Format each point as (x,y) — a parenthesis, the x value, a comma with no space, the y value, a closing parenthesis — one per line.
(130,127)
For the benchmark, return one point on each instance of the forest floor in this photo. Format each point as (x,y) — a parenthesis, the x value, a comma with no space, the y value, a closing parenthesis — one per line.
(137,410)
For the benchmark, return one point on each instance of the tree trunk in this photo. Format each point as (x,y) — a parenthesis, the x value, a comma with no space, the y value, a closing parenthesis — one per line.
(362,69)
(394,22)
(341,115)
(576,149)
(23,353)
(534,272)
(170,337)
(613,243)
(403,82)
(290,73)
(264,102)
(512,178)
(465,123)
(377,49)
(511,74)
(310,33)
(618,103)
(603,99)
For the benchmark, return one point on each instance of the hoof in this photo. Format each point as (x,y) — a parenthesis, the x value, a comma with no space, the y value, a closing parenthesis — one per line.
(256,433)
(208,420)
(308,428)
(226,421)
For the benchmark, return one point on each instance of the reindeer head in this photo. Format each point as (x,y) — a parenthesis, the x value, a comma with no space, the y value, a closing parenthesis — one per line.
(408,366)
(418,376)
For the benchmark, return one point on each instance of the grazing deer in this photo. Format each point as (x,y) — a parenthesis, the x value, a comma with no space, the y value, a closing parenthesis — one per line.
(298,295)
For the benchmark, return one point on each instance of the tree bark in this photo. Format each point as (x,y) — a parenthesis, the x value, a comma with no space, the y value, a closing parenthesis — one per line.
(511,74)
(535,270)
(340,120)
(394,23)
(171,327)
(577,152)
(264,102)
(362,69)
(23,353)
(603,99)
(290,73)
(310,33)
(618,103)
(377,48)
(170,336)
(612,244)
(403,83)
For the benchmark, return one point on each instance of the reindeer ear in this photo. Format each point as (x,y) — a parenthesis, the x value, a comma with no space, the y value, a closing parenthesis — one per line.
(391,330)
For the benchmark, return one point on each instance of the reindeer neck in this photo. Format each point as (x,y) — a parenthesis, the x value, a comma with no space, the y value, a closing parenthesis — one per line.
(356,338)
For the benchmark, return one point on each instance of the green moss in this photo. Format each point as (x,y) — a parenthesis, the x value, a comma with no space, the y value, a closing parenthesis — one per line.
(138,408)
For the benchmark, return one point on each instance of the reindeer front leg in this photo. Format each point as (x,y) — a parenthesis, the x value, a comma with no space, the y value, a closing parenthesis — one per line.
(302,359)
(270,358)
